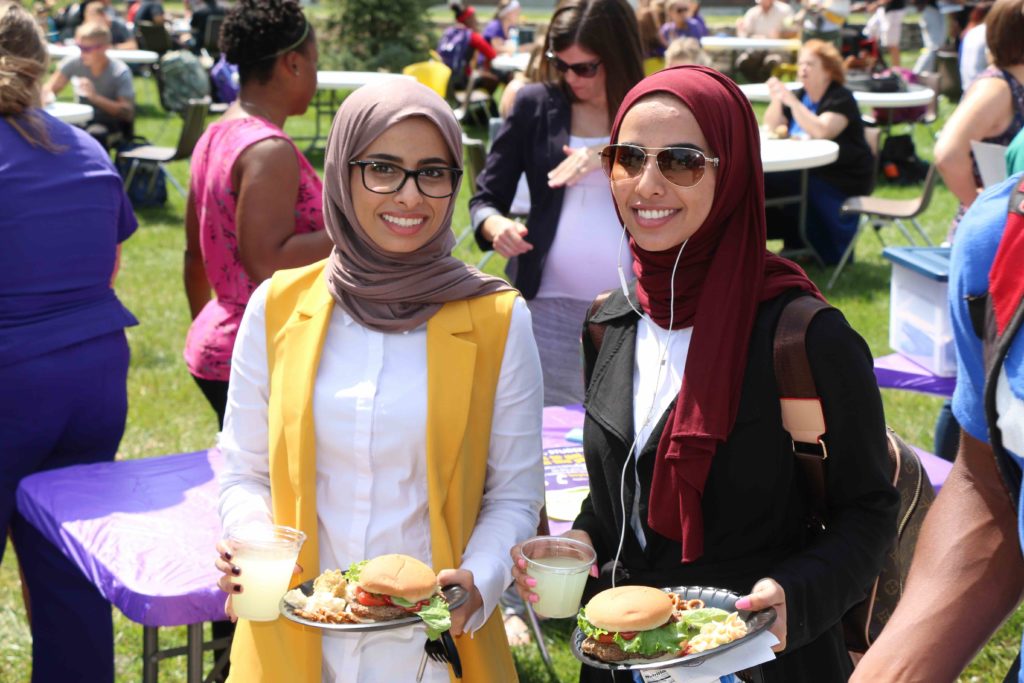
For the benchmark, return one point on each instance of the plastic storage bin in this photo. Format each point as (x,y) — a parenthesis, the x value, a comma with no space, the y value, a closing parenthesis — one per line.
(919,321)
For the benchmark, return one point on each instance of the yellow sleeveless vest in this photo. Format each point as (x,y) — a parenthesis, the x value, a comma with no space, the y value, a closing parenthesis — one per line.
(465,346)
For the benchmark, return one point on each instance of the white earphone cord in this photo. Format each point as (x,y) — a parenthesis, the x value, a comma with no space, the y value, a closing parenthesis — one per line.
(631,454)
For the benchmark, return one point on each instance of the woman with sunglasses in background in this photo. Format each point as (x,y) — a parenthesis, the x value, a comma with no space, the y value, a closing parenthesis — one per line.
(683,416)
(402,411)
(567,251)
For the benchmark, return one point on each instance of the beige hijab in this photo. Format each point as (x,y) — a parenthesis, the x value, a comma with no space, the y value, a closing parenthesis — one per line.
(383,290)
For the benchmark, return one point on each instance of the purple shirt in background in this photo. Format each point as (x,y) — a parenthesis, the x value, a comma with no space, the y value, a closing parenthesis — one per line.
(693,28)
(63,216)
(493,30)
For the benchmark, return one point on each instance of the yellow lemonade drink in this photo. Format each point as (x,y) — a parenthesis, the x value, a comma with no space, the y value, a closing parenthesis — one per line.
(560,567)
(560,591)
(266,556)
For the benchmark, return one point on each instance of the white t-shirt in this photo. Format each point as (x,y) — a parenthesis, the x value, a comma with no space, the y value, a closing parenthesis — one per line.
(370,414)
(761,24)
(584,257)
(973,59)
(655,385)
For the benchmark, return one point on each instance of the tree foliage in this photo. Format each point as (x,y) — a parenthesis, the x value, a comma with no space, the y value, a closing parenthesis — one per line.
(376,35)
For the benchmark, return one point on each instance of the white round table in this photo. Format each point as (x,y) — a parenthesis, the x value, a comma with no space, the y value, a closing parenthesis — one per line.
(505,63)
(725,43)
(126,56)
(797,155)
(331,82)
(70,112)
(915,96)
(350,80)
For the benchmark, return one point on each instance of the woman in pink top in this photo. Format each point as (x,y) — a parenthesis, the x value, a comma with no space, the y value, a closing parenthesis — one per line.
(254,203)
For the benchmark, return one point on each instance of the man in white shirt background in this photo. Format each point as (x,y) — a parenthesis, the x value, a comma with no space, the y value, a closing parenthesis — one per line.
(766,19)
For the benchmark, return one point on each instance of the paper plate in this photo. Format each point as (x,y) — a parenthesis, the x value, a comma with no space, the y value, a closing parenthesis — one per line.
(564,504)
(713,597)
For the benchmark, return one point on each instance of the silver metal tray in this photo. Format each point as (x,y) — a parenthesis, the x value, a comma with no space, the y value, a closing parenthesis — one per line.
(713,597)
(455,595)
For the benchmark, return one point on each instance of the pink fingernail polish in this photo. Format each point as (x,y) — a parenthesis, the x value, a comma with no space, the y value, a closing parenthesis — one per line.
(534,597)
(531,582)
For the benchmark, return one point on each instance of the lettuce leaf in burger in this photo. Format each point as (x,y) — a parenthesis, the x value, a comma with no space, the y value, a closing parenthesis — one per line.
(394,587)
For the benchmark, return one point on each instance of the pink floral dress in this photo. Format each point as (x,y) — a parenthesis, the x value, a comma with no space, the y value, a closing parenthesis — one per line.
(212,334)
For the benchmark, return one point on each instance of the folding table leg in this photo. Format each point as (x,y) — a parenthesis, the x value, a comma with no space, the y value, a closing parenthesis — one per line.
(195,653)
(802,221)
(150,662)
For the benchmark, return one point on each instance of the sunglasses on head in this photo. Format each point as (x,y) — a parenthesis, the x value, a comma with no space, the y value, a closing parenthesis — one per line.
(682,166)
(85,49)
(581,69)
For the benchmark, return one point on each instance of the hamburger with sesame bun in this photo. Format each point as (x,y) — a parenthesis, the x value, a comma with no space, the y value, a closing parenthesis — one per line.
(394,587)
(630,622)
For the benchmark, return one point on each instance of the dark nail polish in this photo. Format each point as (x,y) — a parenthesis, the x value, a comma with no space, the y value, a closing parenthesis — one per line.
(237,588)
(236,570)
(227,556)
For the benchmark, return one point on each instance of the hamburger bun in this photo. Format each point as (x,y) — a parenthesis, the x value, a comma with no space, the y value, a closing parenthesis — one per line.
(629,608)
(400,576)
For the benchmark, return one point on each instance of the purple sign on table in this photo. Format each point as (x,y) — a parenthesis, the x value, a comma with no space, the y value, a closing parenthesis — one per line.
(565,474)
(143,531)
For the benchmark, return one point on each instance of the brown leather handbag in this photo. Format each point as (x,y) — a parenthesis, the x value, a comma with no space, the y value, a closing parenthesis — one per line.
(803,418)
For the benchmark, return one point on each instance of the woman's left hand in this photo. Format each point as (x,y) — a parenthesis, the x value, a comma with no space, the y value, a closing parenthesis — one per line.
(768,593)
(577,163)
(464,578)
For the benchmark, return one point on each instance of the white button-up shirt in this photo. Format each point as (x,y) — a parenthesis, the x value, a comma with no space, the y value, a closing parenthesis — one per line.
(370,413)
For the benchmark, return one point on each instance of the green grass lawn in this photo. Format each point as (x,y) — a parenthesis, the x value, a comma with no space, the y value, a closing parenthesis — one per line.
(167,413)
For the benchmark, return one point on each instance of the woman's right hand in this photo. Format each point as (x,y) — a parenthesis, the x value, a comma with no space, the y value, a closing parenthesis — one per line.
(506,236)
(524,582)
(230,571)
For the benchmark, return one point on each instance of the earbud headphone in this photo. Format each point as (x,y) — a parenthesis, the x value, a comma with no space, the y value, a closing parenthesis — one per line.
(631,453)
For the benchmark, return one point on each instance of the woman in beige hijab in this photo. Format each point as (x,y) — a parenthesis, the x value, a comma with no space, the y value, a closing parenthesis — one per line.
(386,400)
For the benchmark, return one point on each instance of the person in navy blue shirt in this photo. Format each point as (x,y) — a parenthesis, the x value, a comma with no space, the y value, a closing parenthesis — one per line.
(63,351)
(968,571)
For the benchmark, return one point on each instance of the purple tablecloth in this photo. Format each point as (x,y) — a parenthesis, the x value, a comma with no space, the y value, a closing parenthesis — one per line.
(143,531)
(897,372)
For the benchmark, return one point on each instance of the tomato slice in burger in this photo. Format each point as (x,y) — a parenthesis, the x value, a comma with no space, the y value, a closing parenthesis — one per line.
(610,637)
(371,600)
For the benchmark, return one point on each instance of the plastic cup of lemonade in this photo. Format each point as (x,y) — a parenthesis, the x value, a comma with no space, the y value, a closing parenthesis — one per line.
(560,567)
(266,554)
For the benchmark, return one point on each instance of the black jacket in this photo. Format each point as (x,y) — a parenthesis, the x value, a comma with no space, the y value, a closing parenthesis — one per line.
(754,504)
(530,141)
(851,172)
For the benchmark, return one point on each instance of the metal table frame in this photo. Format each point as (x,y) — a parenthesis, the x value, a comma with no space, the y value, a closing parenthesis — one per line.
(193,650)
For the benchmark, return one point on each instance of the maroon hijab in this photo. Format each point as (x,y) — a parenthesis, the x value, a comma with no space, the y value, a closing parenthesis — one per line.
(724,274)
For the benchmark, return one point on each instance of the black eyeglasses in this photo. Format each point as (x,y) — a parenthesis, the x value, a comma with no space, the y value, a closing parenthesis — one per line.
(384,177)
(581,69)
(682,166)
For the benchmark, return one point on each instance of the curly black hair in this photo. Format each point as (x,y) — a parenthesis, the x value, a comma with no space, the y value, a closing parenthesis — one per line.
(255,31)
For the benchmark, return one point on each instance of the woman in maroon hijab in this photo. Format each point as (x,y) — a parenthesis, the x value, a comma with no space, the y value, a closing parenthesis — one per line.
(693,479)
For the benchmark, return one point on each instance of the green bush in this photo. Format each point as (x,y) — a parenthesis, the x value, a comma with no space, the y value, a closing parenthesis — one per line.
(370,35)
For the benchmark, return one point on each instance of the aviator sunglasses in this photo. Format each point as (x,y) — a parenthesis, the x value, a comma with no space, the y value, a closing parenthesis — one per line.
(682,166)
(581,69)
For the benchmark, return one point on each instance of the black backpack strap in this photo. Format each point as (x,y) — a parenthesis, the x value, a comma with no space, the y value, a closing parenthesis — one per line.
(802,413)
